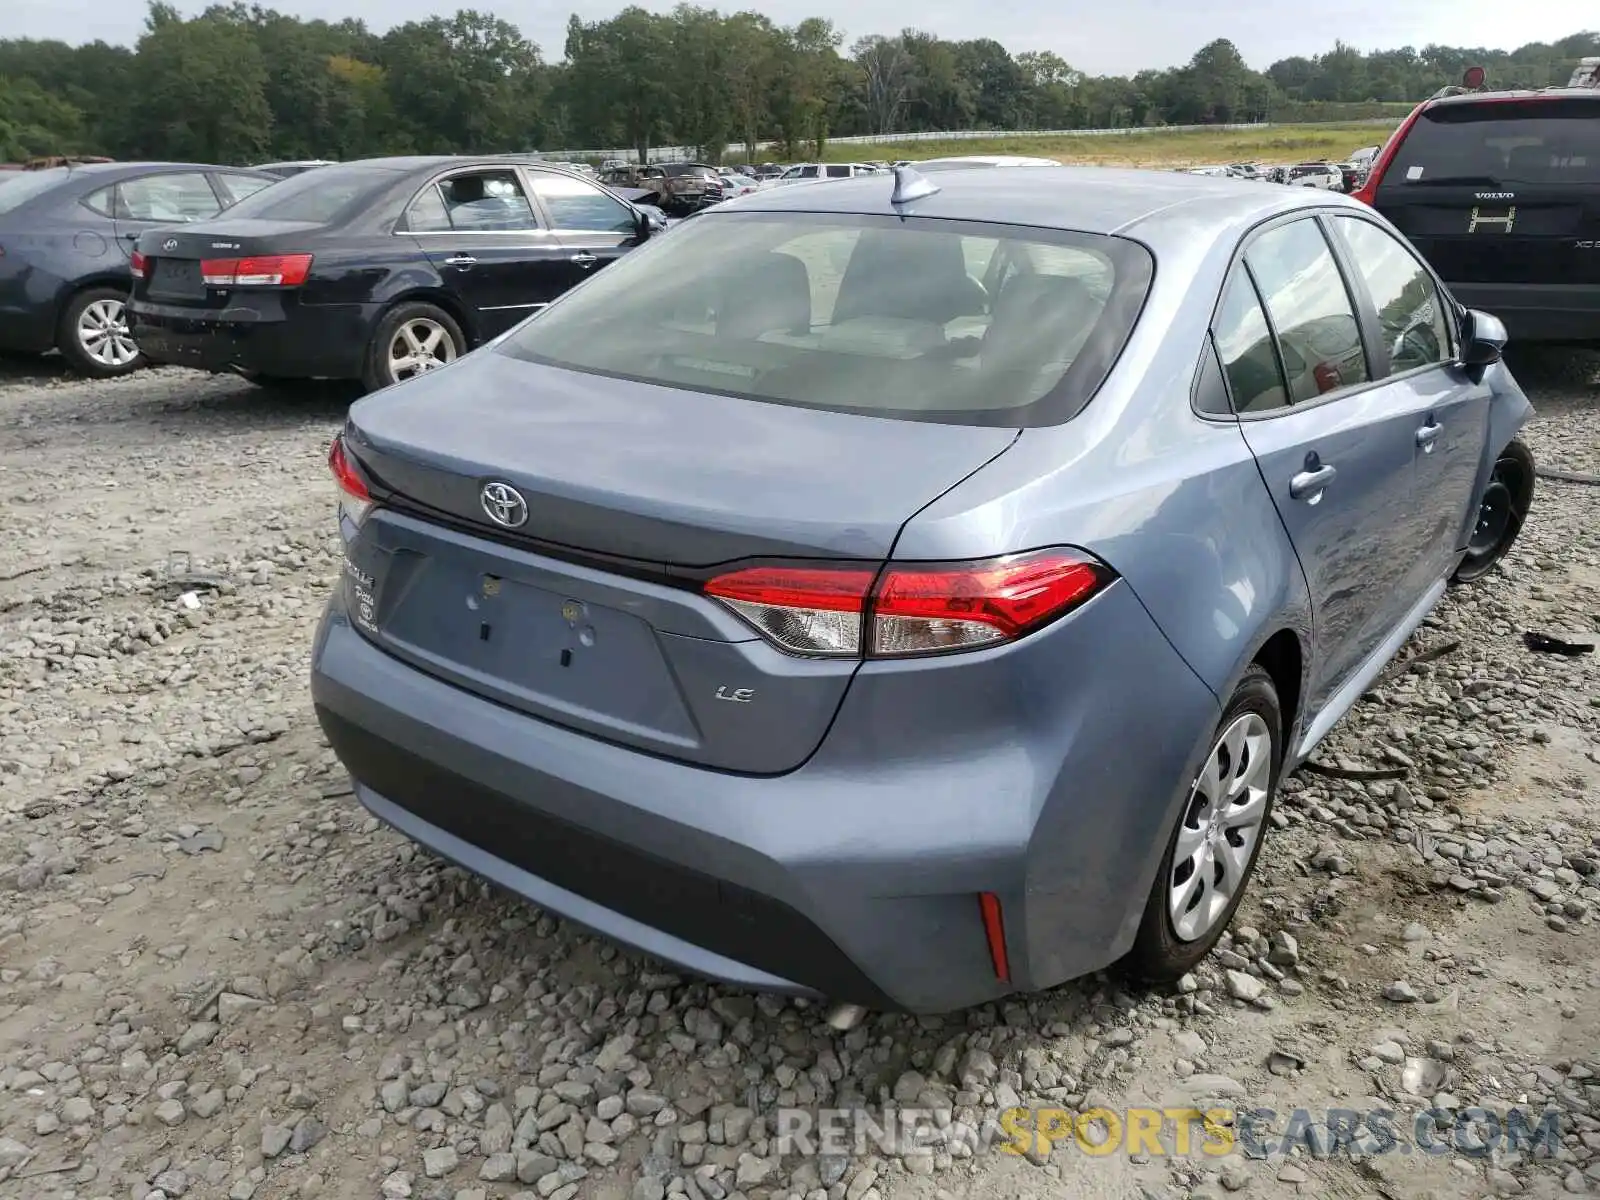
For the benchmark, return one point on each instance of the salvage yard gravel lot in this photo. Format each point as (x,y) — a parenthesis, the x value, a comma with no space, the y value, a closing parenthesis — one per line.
(220,978)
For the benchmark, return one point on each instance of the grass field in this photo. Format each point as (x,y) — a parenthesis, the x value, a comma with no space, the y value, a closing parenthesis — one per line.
(1186,148)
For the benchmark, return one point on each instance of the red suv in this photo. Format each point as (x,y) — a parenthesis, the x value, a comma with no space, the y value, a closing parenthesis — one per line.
(1500,191)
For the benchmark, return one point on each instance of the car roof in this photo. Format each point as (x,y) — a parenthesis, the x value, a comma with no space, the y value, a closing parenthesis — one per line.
(118,169)
(1087,199)
(1554,93)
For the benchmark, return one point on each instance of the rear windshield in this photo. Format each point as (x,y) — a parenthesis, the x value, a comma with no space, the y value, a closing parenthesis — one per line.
(321,196)
(926,320)
(16,189)
(1520,141)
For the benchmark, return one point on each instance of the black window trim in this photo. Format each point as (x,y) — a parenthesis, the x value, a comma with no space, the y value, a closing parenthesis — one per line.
(1449,302)
(403,225)
(1209,355)
(1361,304)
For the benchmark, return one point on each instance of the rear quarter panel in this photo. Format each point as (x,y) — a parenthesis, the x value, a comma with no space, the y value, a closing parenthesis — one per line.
(52,255)
(1176,504)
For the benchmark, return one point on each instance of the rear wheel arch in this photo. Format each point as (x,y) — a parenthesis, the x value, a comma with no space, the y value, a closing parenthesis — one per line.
(439,299)
(378,368)
(73,288)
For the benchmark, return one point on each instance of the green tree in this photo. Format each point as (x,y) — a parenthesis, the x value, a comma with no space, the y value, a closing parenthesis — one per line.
(460,84)
(199,91)
(33,122)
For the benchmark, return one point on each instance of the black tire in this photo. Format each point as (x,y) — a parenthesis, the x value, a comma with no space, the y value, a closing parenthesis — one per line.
(1502,509)
(71,339)
(1159,954)
(378,372)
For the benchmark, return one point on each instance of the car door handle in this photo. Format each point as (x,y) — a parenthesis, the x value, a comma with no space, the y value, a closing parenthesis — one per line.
(1308,485)
(461,260)
(584,259)
(1428,434)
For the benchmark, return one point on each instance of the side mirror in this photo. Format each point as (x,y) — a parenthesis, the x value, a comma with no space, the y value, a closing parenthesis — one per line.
(642,225)
(1483,342)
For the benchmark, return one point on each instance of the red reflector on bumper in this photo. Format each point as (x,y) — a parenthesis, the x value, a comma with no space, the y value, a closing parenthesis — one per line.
(995,930)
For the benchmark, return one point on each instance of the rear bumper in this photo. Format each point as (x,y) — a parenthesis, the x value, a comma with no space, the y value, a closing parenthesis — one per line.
(854,877)
(290,341)
(1538,312)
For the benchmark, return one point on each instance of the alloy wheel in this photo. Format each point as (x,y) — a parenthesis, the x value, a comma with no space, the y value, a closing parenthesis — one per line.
(104,335)
(1220,829)
(418,346)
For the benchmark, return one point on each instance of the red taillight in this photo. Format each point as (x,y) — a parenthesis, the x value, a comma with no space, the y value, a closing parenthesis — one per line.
(994,929)
(1368,191)
(267,270)
(805,610)
(355,501)
(914,608)
(139,264)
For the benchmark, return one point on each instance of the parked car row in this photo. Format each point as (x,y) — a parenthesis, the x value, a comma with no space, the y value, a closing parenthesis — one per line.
(373,270)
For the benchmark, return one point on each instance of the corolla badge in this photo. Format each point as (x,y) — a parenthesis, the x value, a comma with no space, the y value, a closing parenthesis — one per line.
(503,504)
(170,244)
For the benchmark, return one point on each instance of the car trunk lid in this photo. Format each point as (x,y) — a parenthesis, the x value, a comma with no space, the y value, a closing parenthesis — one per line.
(589,613)
(173,273)
(1501,192)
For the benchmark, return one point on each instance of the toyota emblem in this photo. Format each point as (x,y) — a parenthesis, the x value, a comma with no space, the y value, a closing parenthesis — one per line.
(170,244)
(503,505)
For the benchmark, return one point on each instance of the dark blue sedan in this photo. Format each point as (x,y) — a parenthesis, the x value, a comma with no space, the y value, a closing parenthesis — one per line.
(66,237)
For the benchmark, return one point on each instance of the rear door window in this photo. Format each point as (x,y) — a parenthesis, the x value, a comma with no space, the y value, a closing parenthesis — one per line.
(427,212)
(1244,343)
(487,202)
(838,172)
(1312,313)
(1552,140)
(171,198)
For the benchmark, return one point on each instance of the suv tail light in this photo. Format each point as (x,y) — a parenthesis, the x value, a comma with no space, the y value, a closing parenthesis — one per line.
(909,608)
(1368,191)
(139,265)
(266,270)
(355,501)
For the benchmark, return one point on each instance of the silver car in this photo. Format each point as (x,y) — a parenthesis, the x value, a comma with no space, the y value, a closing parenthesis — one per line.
(911,591)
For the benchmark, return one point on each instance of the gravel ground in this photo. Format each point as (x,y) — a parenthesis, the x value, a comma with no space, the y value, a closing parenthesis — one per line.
(219,978)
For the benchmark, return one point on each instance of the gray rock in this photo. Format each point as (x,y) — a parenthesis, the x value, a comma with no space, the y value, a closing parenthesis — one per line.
(308,1131)
(170,1113)
(438,1163)
(1400,992)
(498,1168)
(1244,987)
(232,1007)
(275,1140)
(1285,951)
(198,1036)
(13,1153)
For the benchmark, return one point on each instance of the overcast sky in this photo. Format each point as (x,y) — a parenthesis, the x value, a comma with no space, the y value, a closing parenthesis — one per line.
(1119,37)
